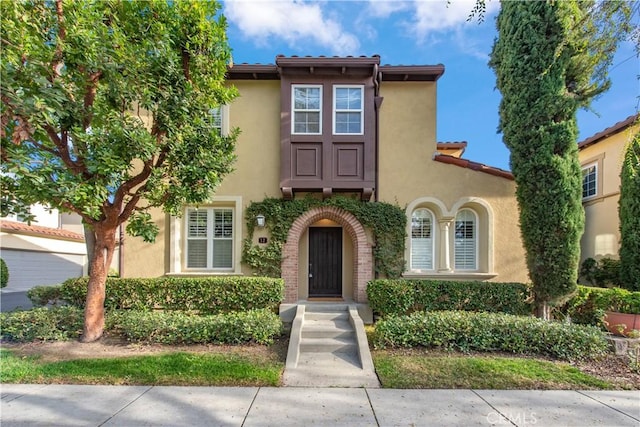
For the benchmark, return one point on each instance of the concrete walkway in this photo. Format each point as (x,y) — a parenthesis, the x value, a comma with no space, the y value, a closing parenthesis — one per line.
(76,405)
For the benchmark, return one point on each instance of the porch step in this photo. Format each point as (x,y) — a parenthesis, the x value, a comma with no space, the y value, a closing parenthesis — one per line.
(329,345)
(328,348)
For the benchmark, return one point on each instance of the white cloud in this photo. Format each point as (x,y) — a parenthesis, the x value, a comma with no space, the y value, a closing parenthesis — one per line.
(436,16)
(384,8)
(293,21)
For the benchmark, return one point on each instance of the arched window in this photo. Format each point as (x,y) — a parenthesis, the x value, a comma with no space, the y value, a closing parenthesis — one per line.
(422,240)
(466,241)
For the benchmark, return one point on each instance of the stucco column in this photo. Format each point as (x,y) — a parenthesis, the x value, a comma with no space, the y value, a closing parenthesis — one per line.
(444,265)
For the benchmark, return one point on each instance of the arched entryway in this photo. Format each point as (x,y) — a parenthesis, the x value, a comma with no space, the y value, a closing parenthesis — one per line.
(362,259)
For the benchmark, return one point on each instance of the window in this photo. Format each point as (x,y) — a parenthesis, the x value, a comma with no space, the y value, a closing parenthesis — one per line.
(209,238)
(465,242)
(421,240)
(348,110)
(589,180)
(216,119)
(307,109)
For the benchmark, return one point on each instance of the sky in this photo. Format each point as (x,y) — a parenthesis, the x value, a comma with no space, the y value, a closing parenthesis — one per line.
(421,32)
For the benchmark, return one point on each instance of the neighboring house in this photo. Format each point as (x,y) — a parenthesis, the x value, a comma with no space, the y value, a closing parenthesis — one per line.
(328,126)
(601,160)
(48,251)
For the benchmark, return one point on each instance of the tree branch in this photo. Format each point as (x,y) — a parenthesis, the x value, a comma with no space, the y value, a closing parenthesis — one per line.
(89,98)
(56,64)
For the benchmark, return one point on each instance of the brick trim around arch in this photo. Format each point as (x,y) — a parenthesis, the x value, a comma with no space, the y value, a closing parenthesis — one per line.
(362,259)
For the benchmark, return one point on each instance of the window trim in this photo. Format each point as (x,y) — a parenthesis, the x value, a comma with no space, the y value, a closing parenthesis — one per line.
(433,241)
(475,240)
(294,110)
(178,232)
(335,110)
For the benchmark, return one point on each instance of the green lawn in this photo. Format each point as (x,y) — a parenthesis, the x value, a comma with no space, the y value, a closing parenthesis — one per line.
(417,370)
(164,369)
(396,369)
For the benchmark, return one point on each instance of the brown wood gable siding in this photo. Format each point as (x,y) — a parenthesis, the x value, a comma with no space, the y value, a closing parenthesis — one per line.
(327,162)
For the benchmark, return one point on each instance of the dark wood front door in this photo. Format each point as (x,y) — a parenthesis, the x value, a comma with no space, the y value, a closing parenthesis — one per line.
(325,262)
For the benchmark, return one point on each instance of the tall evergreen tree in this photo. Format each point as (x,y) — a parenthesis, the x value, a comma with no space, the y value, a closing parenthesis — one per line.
(550,59)
(629,210)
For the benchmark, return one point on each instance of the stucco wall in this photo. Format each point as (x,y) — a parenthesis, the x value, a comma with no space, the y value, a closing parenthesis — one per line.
(408,173)
(601,236)
(256,175)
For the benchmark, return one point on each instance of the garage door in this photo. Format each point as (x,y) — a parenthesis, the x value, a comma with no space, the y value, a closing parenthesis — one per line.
(29,268)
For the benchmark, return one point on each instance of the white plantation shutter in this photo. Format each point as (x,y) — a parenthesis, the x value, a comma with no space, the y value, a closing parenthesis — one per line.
(197,239)
(465,252)
(421,240)
(209,238)
(222,239)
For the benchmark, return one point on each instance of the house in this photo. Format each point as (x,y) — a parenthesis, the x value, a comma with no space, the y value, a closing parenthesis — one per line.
(328,126)
(46,251)
(601,158)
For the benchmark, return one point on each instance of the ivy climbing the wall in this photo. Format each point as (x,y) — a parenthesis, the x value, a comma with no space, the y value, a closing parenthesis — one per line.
(387,223)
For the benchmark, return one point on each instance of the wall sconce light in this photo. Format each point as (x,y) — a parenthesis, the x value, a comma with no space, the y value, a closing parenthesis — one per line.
(260,220)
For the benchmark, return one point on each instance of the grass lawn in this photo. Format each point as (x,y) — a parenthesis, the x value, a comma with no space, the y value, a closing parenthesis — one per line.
(255,365)
(179,368)
(417,369)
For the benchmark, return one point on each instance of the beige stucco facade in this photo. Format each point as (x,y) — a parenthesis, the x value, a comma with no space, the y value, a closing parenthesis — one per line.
(605,151)
(408,176)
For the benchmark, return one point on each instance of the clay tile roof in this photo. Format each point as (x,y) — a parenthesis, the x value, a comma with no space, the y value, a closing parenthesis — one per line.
(452,144)
(612,130)
(38,230)
(246,71)
(479,167)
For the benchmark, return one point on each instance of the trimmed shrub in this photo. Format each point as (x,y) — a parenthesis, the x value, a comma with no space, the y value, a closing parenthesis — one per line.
(56,324)
(466,331)
(400,297)
(44,295)
(4,273)
(206,295)
(603,273)
(260,326)
(589,304)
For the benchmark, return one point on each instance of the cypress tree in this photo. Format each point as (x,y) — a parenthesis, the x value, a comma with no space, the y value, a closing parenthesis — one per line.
(537,74)
(629,211)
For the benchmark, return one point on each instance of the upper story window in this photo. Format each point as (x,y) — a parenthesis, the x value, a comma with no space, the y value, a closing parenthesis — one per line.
(348,110)
(465,243)
(589,180)
(216,118)
(421,240)
(209,243)
(307,109)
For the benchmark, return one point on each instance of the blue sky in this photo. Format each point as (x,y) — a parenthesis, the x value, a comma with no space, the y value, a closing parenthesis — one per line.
(416,32)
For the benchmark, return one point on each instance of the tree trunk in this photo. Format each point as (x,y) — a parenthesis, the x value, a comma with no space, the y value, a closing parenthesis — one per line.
(90,243)
(100,262)
(543,310)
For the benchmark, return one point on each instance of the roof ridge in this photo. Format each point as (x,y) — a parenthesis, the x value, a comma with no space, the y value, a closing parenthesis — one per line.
(470,164)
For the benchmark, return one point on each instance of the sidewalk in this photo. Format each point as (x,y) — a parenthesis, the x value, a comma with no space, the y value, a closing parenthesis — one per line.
(76,405)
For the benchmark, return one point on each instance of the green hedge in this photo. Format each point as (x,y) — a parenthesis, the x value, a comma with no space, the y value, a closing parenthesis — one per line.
(207,295)
(58,324)
(400,297)
(175,327)
(589,304)
(65,323)
(467,331)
